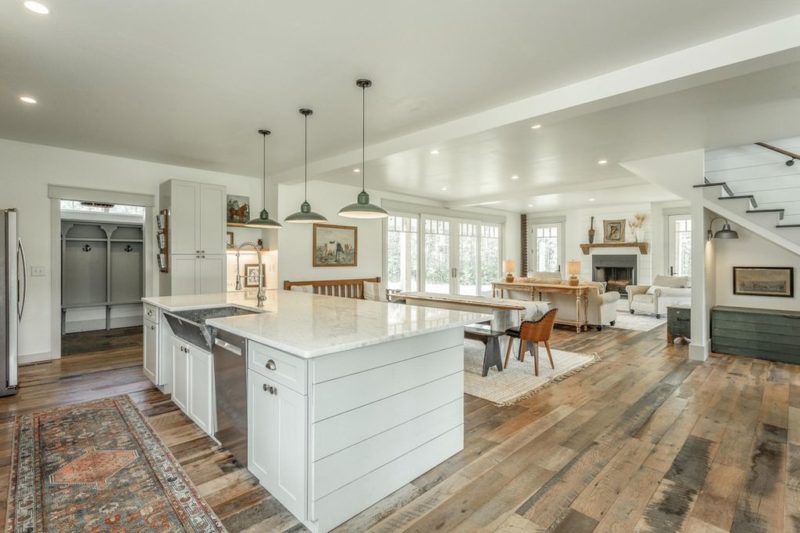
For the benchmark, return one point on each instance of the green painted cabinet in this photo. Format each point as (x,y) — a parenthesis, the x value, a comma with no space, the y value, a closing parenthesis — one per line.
(762,333)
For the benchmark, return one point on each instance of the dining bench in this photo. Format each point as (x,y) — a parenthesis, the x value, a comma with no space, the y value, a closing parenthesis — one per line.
(345,288)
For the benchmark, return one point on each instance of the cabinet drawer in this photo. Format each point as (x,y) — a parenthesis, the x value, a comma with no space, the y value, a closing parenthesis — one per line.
(278,366)
(151,313)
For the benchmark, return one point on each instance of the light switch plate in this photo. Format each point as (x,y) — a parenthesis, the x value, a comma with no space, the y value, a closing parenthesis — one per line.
(37,271)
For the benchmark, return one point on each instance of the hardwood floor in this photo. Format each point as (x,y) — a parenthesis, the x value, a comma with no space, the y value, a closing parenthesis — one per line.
(644,439)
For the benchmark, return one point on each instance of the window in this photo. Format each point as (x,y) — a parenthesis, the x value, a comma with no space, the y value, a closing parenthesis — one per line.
(455,256)
(437,255)
(111,209)
(680,245)
(490,256)
(546,247)
(402,253)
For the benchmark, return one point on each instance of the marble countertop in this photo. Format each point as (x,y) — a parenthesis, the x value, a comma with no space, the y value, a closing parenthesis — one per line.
(310,325)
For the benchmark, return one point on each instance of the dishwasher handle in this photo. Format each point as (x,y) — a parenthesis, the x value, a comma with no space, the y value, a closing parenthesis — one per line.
(228,347)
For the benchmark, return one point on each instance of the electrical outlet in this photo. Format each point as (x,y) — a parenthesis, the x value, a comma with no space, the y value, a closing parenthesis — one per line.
(37,271)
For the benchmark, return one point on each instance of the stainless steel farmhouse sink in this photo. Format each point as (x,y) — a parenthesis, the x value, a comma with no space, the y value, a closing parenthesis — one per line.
(191,325)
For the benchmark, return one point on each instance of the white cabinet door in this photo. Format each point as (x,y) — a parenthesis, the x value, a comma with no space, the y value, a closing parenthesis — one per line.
(151,351)
(184,199)
(211,274)
(200,393)
(277,441)
(211,219)
(180,375)
(183,274)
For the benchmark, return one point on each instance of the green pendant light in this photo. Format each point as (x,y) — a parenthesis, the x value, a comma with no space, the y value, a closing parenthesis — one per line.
(362,208)
(305,215)
(263,220)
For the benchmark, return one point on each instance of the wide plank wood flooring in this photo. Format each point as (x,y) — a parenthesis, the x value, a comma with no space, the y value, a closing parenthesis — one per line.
(643,440)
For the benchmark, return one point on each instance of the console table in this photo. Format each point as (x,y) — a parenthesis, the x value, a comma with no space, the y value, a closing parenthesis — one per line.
(580,292)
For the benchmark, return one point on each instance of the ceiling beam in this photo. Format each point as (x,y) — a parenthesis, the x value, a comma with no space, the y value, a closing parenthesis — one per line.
(737,54)
(490,199)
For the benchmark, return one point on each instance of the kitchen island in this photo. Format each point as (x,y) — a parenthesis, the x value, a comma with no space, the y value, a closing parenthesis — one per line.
(347,400)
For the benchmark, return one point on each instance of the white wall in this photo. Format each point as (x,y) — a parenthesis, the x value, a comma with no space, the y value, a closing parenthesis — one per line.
(751,249)
(25,173)
(576,227)
(294,259)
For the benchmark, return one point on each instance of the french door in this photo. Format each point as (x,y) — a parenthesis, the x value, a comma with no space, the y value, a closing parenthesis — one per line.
(459,256)
(680,245)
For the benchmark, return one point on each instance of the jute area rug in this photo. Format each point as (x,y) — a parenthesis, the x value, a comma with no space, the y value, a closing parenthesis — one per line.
(518,381)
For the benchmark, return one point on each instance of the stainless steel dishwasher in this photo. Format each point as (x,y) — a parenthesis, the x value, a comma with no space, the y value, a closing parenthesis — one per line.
(230,384)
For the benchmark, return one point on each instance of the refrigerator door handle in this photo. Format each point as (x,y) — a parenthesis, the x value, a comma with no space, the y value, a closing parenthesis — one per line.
(21,296)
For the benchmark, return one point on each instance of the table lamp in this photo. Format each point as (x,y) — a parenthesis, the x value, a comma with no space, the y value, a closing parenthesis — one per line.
(573,268)
(509,266)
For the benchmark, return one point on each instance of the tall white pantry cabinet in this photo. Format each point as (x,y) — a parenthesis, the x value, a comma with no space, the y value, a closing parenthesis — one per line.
(196,238)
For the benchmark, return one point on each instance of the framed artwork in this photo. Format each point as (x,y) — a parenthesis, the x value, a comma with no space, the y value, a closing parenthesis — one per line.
(764,281)
(335,246)
(238,209)
(229,242)
(614,230)
(251,275)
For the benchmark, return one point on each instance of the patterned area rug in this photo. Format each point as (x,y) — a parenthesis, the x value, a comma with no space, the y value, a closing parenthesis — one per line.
(637,322)
(517,381)
(98,466)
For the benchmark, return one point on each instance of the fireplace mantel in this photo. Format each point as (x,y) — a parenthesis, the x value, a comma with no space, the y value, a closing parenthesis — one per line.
(642,246)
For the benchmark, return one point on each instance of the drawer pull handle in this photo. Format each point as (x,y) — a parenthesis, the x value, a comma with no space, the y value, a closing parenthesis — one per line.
(271,365)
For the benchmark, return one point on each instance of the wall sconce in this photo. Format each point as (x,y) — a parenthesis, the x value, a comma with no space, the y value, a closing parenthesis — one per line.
(725,233)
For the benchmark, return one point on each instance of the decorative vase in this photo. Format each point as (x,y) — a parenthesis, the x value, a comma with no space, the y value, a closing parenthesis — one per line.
(591,231)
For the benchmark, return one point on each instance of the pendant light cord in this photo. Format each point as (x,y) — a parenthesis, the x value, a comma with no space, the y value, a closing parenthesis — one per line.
(264,170)
(363,138)
(305,160)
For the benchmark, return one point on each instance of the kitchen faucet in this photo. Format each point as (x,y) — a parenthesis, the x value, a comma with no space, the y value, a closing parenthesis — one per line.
(261,296)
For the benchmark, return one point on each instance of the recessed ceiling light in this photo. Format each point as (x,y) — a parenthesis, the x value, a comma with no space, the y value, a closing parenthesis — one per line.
(514,177)
(530,205)
(356,170)
(27,99)
(36,7)
(434,152)
(444,188)
(591,199)
(602,162)
(536,126)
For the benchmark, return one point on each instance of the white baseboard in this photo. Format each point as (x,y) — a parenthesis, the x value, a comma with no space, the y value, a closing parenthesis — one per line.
(32,358)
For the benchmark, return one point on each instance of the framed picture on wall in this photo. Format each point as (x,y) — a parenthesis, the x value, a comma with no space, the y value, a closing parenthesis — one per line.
(335,246)
(238,209)
(614,230)
(764,281)
(251,275)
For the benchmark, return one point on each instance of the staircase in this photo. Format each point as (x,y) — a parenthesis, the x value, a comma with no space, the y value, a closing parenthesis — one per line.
(743,209)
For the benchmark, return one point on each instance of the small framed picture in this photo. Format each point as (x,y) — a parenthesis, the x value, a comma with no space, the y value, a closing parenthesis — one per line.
(251,275)
(230,238)
(764,281)
(614,230)
(238,209)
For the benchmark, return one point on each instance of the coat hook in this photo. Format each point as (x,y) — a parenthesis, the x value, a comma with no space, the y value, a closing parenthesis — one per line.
(86,248)
(128,248)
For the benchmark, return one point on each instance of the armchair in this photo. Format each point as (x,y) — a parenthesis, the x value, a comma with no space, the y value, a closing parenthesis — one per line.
(664,292)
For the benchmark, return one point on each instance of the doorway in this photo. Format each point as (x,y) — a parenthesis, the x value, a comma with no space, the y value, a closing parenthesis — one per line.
(102,273)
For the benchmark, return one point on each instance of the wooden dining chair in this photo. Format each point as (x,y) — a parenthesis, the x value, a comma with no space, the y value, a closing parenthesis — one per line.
(530,334)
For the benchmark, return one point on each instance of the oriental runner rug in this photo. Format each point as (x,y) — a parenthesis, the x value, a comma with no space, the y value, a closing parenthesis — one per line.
(98,466)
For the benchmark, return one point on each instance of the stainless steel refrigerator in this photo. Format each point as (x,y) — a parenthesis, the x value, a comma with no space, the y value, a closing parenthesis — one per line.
(13,286)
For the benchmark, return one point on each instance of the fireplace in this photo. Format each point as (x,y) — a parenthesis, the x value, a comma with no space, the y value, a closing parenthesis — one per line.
(618,271)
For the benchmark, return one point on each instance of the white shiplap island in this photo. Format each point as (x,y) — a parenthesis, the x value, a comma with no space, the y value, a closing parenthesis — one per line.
(348,400)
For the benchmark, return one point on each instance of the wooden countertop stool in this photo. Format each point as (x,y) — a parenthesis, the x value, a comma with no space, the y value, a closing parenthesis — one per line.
(530,334)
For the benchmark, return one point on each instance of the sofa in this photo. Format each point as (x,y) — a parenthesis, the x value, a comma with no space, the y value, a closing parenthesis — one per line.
(601,308)
(664,292)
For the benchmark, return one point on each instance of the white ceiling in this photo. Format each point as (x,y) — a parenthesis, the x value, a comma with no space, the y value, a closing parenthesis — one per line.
(189,83)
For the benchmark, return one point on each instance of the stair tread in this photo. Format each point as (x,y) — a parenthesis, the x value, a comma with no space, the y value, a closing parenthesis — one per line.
(709,184)
(787,226)
(781,211)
